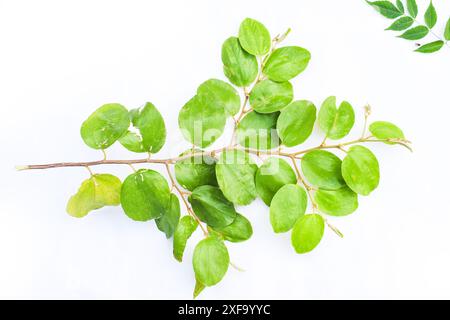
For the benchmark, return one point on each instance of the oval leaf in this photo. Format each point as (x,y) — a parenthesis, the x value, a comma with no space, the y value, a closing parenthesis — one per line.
(323,169)
(105,126)
(268,96)
(401,24)
(360,170)
(447,31)
(169,221)
(287,206)
(218,92)
(196,171)
(412,7)
(286,63)
(307,233)
(296,122)
(240,67)
(400,6)
(385,130)
(415,33)
(239,230)
(336,123)
(431,47)
(430,16)
(339,202)
(183,232)
(145,195)
(254,37)
(210,261)
(258,131)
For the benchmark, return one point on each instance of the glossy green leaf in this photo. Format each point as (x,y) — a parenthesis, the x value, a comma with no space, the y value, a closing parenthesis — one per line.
(401,24)
(447,31)
(323,169)
(145,195)
(94,193)
(268,96)
(286,63)
(271,176)
(105,126)
(210,261)
(239,230)
(211,206)
(431,47)
(168,222)
(254,37)
(296,122)
(201,123)
(336,122)
(430,16)
(196,171)
(386,8)
(385,130)
(339,202)
(360,170)
(287,206)
(307,233)
(219,93)
(239,66)
(415,33)
(412,7)
(183,232)
(199,287)
(235,173)
(152,130)
(258,131)
(400,6)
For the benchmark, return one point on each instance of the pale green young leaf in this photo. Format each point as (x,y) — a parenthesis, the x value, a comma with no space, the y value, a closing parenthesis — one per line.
(323,169)
(339,202)
(201,123)
(336,122)
(386,8)
(105,126)
(258,131)
(183,232)
(211,206)
(145,195)
(254,37)
(287,206)
(447,31)
(94,193)
(430,16)
(286,63)
(239,230)
(385,130)
(239,66)
(268,96)
(196,171)
(219,93)
(168,222)
(360,170)
(296,122)
(307,233)
(412,7)
(210,261)
(430,47)
(235,173)
(271,176)
(401,24)
(415,33)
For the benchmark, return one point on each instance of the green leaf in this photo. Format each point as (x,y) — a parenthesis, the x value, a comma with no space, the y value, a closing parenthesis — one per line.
(412,7)
(401,24)
(323,169)
(268,96)
(336,123)
(239,230)
(360,170)
(152,130)
(386,8)
(400,6)
(271,176)
(145,195)
(240,67)
(287,206)
(210,261)
(258,131)
(415,33)
(94,193)
(199,287)
(430,16)
(447,31)
(211,206)
(105,126)
(431,47)
(385,130)
(339,202)
(218,92)
(169,221)
(254,37)
(296,122)
(195,171)
(183,232)
(286,63)
(307,233)
(201,123)
(235,172)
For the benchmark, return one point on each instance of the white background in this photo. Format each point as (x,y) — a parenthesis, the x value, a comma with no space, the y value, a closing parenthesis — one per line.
(59,60)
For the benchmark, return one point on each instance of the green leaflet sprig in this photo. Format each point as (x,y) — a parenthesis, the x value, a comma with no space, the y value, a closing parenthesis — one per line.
(303,188)
(406,21)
